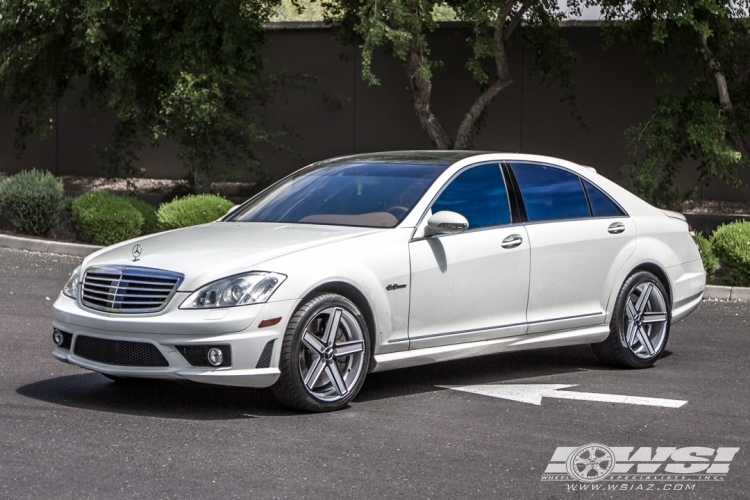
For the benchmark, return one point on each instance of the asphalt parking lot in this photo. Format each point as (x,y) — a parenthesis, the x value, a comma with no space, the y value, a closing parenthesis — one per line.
(70,433)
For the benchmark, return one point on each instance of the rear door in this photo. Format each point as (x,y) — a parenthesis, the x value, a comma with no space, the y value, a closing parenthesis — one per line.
(580,239)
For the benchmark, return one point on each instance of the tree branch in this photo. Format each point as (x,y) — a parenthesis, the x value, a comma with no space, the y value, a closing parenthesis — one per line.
(466,129)
(514,22)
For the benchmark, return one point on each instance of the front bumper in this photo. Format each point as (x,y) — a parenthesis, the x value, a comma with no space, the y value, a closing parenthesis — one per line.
(237,327)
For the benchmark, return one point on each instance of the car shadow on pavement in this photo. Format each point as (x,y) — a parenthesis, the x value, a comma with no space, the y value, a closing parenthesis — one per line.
(155,398)
(194,401)
(495,368)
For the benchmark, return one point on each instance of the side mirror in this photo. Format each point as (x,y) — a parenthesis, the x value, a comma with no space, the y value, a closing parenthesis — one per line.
(446,222)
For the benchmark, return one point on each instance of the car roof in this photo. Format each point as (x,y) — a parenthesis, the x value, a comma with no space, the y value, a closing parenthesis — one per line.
(438,157)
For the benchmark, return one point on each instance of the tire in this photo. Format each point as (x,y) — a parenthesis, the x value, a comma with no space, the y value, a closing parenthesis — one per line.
(321,369)
(639,329)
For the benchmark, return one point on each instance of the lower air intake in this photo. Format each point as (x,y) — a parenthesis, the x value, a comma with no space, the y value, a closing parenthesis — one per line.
(265,356)
(118,352)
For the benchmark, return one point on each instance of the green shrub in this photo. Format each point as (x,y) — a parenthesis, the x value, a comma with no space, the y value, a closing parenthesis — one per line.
(731,244)
(710,260)
(150,221)
(106,219)
(32,201)
(192,210)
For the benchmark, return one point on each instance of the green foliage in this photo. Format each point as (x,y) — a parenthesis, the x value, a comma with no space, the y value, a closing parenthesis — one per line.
(192,210)
(704,120)
(731,244)
(106,219)
(148,213)
(710,260)
(190,71)
(32,201)
(403,27)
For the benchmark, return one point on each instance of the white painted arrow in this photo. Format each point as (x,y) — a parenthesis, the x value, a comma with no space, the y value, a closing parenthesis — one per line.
(533,393)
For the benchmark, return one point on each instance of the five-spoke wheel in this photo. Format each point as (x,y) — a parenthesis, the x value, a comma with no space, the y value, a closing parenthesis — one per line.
(324,356)
(640,323)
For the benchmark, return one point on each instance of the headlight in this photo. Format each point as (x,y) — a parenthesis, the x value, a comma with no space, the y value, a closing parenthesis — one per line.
(71,287)
(240,290)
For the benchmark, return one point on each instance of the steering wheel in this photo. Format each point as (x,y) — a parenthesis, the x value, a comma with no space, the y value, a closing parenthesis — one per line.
(398,209)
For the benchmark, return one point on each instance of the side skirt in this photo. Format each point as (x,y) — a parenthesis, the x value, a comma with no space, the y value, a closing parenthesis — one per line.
(404,359)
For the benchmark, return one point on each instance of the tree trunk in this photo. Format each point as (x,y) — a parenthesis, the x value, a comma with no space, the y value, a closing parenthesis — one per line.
(421,91)
(738,141)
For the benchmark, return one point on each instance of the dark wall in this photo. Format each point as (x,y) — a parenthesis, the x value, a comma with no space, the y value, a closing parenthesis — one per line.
(341,114)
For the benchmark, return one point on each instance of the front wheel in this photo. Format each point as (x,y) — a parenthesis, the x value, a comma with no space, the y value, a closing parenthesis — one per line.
(640,324)
(324,356)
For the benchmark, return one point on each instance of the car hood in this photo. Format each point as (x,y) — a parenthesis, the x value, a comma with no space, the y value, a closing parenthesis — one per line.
(213,251)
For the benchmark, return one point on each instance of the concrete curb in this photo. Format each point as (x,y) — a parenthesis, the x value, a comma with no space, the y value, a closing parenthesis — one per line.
(46,246)
(76,249)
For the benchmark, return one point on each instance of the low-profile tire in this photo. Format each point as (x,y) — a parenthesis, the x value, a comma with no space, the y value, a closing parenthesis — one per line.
(639,329)
(324,356)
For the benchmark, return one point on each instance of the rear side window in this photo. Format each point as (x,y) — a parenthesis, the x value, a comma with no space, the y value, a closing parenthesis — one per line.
(550,193)
(478,194)
(601,205)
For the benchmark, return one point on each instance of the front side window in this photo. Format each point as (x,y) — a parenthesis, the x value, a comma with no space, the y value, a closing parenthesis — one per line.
(478,194)
(346,193)
(550,193)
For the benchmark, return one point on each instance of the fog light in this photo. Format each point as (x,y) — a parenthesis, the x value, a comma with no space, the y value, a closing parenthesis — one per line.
(58,338)
(215,356)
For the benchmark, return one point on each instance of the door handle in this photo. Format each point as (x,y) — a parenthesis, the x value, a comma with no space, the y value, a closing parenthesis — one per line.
(512,241)
(616,228)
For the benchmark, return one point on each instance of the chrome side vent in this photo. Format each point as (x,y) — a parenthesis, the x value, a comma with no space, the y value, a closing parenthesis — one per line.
(128,289)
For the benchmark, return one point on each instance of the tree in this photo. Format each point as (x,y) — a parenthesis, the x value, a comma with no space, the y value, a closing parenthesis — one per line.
(187,70)
(704,115)
(404,27)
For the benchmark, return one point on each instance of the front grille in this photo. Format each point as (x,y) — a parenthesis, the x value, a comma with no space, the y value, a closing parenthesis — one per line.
(265,356)
(197,355)
(128,289)
(118,352)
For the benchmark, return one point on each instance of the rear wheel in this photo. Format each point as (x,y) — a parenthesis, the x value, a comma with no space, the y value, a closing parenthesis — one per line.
(640,324)
(324,356)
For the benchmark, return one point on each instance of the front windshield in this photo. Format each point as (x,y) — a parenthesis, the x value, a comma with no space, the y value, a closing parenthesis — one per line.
(347,194)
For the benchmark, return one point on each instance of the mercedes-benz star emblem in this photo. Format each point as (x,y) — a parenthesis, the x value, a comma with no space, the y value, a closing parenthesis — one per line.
(137,251)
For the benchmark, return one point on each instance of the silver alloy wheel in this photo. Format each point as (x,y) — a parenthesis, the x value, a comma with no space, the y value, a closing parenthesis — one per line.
(646,321)
(332,354)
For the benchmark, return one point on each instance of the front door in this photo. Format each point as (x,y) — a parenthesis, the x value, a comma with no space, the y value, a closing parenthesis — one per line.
(473,285)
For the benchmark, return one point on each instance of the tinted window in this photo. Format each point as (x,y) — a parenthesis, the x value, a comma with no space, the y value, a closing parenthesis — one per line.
(601,205)
(550,193)
(479,195)
(349,194)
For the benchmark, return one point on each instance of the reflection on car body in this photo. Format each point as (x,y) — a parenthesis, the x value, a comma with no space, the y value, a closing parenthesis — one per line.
(382,261)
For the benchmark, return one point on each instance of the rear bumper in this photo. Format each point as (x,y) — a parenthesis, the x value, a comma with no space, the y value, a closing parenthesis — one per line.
(161,331)
(688,285)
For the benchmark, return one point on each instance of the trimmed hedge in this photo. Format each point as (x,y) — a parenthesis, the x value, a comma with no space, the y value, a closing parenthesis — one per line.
(710,260)
(192,210)
(32,200)
(731,244)
(106,219)
(150,221)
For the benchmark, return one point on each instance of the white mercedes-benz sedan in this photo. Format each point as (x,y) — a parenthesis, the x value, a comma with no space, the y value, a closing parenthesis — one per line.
(380,261)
